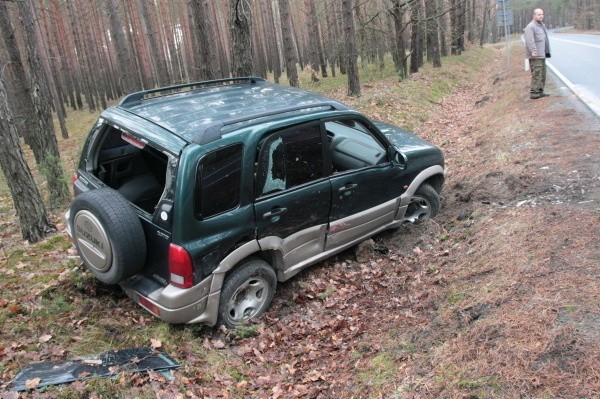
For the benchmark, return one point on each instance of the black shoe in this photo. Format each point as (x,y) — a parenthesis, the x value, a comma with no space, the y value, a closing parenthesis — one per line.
(544,95)
(535,96)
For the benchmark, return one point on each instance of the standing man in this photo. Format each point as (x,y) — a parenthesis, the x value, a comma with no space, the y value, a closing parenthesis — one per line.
(537,49)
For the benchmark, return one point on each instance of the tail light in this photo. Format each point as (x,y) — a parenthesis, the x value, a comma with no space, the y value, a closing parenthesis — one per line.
(181,269)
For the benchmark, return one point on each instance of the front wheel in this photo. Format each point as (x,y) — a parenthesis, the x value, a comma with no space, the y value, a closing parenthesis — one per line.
(424,205)
(247,293)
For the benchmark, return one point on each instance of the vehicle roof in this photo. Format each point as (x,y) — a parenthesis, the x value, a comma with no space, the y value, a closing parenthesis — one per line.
(198,115)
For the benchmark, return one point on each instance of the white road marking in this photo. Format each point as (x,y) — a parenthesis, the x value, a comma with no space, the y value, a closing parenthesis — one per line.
(575,42)
(584,94)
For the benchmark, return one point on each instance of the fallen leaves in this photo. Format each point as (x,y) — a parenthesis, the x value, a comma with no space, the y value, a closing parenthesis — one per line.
(44,338)
(33,383)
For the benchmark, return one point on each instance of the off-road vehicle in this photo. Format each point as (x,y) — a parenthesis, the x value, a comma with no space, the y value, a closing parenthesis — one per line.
(197,199)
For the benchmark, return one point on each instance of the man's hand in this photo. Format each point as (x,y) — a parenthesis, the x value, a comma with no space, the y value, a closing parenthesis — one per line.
(534,54)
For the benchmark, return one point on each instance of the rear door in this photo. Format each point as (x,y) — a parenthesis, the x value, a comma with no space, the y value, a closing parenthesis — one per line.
(292,193)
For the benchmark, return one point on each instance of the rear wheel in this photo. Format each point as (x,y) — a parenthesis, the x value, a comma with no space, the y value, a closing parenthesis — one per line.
(424,205)
(247,293)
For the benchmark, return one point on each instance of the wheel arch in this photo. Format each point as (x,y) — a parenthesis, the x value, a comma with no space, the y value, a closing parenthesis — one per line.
(434,175)
(436,181)
(241,255)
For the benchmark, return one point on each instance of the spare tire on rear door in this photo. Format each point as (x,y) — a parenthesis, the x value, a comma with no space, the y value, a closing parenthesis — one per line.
(108,235)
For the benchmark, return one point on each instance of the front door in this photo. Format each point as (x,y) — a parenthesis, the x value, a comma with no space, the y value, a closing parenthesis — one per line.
(365,185)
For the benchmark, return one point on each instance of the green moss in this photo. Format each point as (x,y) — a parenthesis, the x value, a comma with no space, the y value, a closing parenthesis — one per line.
(242,332)
(456,297)
(380,371)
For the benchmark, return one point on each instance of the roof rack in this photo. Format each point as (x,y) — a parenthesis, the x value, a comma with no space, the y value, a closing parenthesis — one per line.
(213,132)
(140,95)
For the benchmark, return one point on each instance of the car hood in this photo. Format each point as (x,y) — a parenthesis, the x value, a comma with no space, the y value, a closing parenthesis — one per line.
(402,139)
(412,147)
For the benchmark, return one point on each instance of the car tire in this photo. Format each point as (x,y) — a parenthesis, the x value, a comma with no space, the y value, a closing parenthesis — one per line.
(424,205)
(108,235)
(246,293)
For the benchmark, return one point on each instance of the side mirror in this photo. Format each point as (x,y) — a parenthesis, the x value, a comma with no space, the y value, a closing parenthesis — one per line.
(396,157)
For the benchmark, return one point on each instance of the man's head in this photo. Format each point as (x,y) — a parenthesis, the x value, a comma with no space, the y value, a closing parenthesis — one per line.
(538,15)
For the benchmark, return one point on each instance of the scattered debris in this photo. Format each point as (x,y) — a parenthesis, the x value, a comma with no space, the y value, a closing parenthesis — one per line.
(106,364)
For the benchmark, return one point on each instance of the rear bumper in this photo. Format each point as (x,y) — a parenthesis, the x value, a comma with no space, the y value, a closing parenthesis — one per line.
(171,304)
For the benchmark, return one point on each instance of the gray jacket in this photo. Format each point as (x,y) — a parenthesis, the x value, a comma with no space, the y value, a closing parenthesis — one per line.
(536,40)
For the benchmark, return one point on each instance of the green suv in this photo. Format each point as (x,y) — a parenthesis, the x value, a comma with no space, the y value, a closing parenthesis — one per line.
(197,199)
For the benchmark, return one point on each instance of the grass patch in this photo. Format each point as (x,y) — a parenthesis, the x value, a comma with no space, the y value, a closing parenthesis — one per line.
(242,332)
(379,371)
(325,294)
(456,297)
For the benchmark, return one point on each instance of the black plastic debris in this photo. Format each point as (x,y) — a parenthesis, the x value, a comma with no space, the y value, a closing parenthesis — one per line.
(106,364)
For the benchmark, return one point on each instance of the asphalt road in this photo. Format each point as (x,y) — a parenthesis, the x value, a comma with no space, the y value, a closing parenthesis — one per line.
(576,61)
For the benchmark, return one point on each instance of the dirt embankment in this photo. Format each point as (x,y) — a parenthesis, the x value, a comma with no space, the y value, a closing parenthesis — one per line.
(522,207)
(497,297)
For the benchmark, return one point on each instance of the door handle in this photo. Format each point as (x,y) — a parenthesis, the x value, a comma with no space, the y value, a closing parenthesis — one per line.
(274,212)
(347,186)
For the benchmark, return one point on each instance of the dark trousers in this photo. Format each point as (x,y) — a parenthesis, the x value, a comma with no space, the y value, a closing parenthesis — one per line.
(538,75)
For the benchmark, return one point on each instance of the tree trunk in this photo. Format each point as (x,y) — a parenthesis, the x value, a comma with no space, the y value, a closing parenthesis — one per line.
(462,17)
(158,59)
(241,34)
(288,43)
(138,44)
(205,35)
(416,42)
(482,37)
(433,42)
(273,45)
(222,43)
(107,53)
(350,37)
(331,47)
(50,71)
(191,58)
(361,35)
(26,197)
(82,58)
(96,47)
(400,57)
(44,139)
(313,40)
(317,58)
(168,22)
(22,103)
(127,75)
(443,21)
(63,59)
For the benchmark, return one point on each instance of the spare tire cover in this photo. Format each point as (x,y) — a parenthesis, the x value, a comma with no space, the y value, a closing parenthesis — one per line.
(108,235)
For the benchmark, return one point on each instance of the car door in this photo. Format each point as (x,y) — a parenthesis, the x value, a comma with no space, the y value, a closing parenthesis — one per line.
(365,185)
(293,194)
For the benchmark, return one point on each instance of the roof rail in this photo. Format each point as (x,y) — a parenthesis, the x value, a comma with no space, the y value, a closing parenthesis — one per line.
(140,95)
(212,132)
